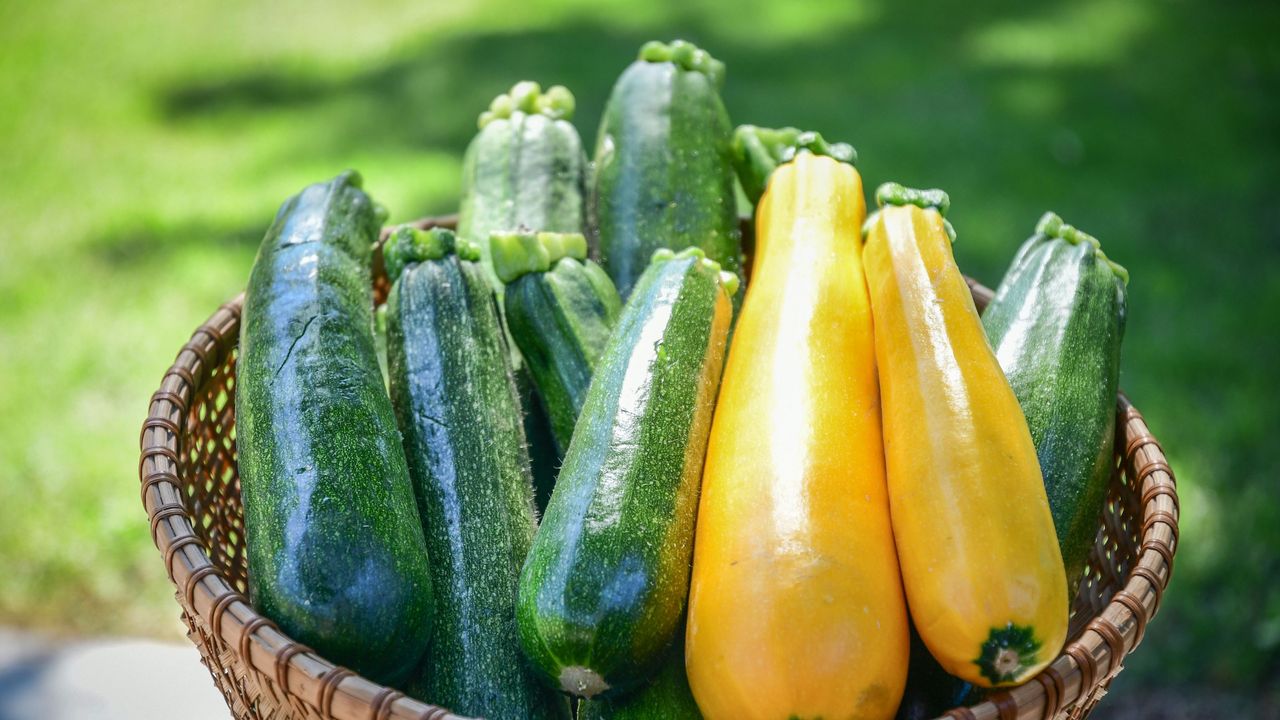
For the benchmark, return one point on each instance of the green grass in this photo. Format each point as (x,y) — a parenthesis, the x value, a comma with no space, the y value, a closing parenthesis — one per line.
(145,147)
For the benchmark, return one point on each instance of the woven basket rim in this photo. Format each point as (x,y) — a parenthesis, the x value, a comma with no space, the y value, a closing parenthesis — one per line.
(1083,670)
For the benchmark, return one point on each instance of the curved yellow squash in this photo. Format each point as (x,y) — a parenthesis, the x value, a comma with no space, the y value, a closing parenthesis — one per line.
(980,561)
(796,607)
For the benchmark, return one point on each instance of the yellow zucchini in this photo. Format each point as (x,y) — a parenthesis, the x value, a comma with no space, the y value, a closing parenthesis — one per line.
(980,560)
(796,607)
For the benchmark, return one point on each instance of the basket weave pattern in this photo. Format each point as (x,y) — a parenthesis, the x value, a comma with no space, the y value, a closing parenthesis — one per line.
(191,491)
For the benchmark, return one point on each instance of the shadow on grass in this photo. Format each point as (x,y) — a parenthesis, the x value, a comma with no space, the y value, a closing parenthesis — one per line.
(130,246)
(1103,112)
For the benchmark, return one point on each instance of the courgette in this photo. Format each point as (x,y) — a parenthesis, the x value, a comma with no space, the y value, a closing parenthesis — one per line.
(604,587)
(1056,324)
(980,563)
(663,172)
(796,606)
(560,309)
(523,170)
(455,400)
(336,554)
(666,697)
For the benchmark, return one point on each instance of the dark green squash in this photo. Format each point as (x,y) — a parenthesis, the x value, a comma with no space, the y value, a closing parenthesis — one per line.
(336,555)
(455,399)
(605,585)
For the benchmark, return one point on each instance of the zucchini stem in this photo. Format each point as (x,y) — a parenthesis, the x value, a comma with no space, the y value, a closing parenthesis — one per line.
(408,246)
(519,253)
(528,98)
(728,280)
(686,56)
(1052,226)
(758,151)
(892,193)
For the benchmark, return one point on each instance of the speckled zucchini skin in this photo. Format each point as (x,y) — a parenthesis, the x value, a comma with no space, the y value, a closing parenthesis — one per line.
(1056,325)
(560,316)
(663,172)
(604,588)
(455,399)
(336,554)
(667,697)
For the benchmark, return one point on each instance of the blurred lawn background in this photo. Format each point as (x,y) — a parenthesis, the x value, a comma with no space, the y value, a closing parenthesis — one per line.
(144,148)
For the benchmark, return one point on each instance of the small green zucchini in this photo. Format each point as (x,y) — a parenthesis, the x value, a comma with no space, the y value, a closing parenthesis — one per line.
(336,554)
(560,308)
(663,171)
(455,399)
(605,585)
(1056,325)
(523,170)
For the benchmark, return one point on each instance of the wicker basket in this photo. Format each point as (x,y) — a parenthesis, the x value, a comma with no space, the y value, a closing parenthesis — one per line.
(191,491)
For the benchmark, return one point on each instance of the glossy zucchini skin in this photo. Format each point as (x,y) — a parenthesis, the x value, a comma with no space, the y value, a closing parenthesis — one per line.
(523,170)
(666,697)
(604,587)
(336,555)
(980,564)
(455,400)
(663,172)
(795,604)
(1056,324)
(561,308)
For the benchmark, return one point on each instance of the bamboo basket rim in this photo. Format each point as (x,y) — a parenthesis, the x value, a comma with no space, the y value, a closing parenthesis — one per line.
(1078,676)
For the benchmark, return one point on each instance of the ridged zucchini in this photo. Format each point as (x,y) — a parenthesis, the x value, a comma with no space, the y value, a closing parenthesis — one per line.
(980,562)
(796,607)
(604,587)
(523,170)
(663,172)
(561,308)
(336,555)
(455,400)
(666,697)
(1056,324)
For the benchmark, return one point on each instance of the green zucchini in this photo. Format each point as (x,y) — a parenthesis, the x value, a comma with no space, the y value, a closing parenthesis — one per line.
(455,400)
(757,151)
(561,308)
(604,587)
(1056,325)
(663,173)
(666,697)
(336,554)
(523,170)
